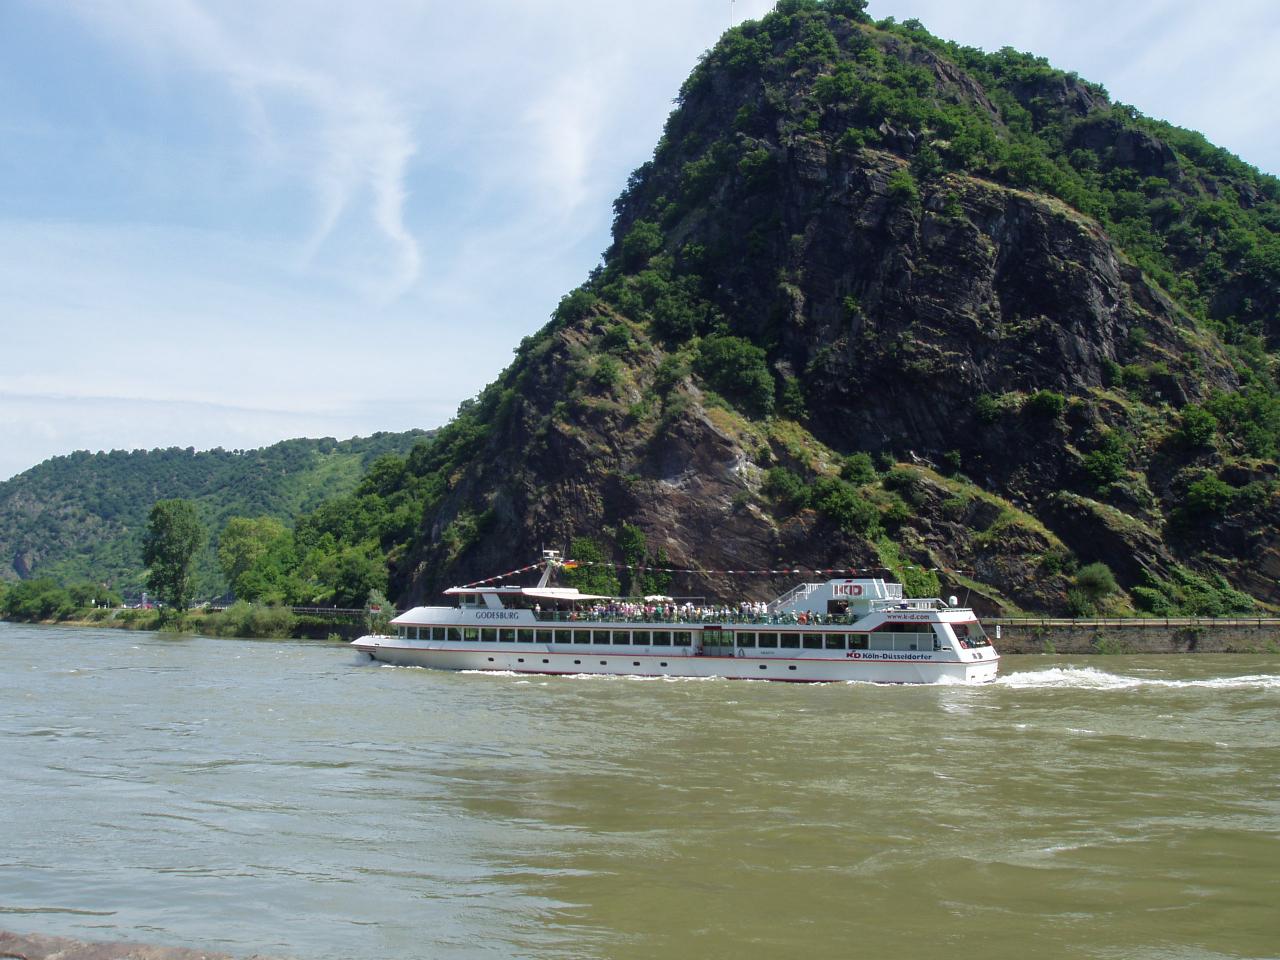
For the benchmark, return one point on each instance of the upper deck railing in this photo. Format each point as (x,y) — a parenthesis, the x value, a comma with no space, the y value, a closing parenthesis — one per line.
(714,618)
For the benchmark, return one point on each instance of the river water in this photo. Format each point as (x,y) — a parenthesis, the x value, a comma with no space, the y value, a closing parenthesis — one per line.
(284,798)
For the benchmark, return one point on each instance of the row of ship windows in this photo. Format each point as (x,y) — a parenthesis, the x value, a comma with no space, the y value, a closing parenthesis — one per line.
(677,638)
(634,663)
(657,638)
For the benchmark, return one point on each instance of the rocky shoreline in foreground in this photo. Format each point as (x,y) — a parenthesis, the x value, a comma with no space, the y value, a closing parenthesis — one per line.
(34,946)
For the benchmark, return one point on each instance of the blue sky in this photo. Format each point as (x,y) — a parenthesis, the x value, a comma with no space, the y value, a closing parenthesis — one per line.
(227,223)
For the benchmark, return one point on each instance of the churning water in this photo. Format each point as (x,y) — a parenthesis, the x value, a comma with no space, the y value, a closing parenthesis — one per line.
(284,798)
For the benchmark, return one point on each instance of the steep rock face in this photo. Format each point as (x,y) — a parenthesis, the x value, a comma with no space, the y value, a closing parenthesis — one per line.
(944,317)
(550,476)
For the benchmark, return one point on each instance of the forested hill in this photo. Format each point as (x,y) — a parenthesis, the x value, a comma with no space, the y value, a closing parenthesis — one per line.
(81,517)
(884,301)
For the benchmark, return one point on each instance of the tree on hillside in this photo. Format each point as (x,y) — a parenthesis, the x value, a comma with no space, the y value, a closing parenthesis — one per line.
(243,544)
(169,546)
(595,575)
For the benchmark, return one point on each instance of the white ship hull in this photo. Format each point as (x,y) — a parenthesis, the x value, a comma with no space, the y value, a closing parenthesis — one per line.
(869,667)
(837,631)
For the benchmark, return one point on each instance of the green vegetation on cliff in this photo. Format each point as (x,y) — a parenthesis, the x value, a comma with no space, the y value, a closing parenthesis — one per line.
(1049,320)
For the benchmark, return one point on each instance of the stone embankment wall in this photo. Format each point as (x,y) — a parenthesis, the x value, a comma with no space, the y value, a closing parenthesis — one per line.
(1188,635)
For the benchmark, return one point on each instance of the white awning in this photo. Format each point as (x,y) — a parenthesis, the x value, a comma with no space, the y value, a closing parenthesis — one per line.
(563,594)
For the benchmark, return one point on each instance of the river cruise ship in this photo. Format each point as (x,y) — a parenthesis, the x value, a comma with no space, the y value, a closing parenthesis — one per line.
(837,630)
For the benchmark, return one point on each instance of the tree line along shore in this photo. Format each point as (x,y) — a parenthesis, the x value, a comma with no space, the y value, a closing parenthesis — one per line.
(174,535)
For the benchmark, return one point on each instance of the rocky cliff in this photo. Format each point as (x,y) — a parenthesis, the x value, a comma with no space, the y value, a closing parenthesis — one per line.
(884,302)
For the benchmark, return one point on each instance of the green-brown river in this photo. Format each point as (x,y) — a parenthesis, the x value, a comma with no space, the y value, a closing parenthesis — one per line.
(282,797)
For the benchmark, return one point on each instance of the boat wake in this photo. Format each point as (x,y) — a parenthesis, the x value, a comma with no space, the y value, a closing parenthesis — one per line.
(1091,678)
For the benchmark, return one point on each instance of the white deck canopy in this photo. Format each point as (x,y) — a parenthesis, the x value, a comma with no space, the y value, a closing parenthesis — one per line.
(558,594)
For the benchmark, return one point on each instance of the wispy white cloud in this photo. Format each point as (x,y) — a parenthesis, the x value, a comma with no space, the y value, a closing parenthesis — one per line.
(349,138)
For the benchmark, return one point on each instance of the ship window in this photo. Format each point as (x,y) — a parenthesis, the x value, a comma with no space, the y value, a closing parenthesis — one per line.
(971,635)
(662,663)
(524,635)
(622,636)
(635,663)
(546,661)
(835,641)
(640,637)
(813,641)
(470,634)
(857,641)
(544,636)
(662,638)
(455,634)
(764,666)
(746,639)
(508,634)
(564,636)
(600,636)
(491,659)
(768,640)
(682,638)
(488,635)
(791,640)
(791,667)
(578,662)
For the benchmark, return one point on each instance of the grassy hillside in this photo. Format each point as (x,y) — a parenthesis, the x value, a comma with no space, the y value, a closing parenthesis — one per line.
(81,517)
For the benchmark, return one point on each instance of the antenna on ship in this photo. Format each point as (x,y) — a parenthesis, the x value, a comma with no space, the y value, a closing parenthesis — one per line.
(550,560)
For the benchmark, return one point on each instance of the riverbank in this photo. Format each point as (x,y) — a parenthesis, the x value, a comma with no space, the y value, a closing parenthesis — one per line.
(249,620)
(1135,635)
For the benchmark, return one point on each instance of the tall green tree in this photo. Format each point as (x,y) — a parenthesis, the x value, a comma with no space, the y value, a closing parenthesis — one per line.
(174,534)
(242,547)
(595,576)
